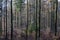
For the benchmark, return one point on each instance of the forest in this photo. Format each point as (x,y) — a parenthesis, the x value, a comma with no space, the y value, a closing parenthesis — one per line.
(29,20)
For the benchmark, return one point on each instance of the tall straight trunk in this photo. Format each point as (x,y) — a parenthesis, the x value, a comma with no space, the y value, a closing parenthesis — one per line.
(0,20)
(54,16)
(0,25)
(0,17)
